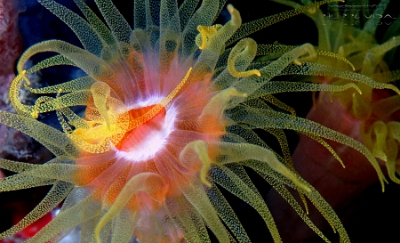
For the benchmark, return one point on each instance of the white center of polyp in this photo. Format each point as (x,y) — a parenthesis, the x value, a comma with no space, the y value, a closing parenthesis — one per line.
(144,142)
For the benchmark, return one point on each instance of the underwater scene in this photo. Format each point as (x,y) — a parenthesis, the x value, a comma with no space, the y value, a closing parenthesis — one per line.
(176,121)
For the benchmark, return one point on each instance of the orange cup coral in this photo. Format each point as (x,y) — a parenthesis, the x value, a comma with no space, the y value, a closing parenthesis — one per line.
(170,111)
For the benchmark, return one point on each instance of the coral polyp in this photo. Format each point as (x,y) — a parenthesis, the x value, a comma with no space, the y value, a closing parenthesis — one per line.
(170,111)
(348,39)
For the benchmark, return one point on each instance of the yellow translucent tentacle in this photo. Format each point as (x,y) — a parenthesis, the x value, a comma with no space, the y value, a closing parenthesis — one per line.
(193,227)
(205,33)
(57,142)
(85,32)
(227,214)
(116,22)
(241,152)
(383,140)
(246,48)
(55,196)
(98,25)
(281,189)
(276,87)
(134,185)
(216,106)
(324,70)
(216,40)
(101,93)
(82,83)
(285,121)
(80,212)
(251,84)
(45,103)
(328,147)
(321,52)
(50,62)
(201,149)
(14,94)
(281,105)
(318,201)
(256,25)
(203,16)
(279,49)
(281,137)
(15,166)
(94,66)
(235,185)
(124,222)
(197,196)
(387,77)
(386,107)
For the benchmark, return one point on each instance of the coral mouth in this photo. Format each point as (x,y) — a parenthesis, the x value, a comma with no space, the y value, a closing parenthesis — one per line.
(143,142)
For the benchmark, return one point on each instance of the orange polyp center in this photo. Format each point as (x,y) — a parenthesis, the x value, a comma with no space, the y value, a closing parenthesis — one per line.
(135,114)
(141,147)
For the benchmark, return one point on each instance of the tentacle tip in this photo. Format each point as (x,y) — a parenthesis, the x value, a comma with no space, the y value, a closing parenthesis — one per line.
(35,114)
(397,90)
(254,72)
(358,89)
(206,182)
(230,8)
(302,186)
(236,19)
(297,62)
(306,188)
(383,180)
(235,92)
